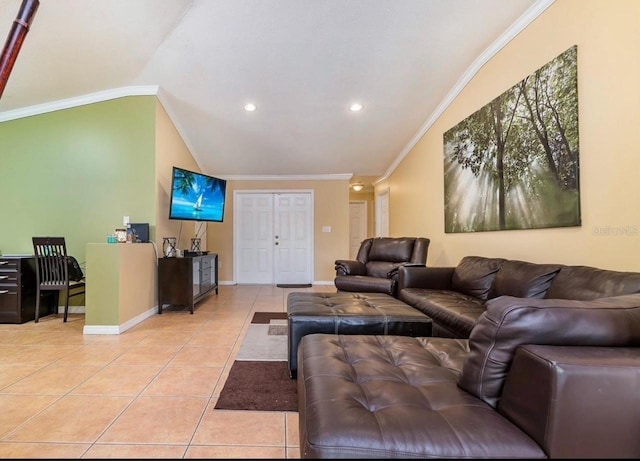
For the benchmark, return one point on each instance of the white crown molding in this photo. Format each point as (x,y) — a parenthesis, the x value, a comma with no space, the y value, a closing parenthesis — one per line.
(310,177)
(100,96)
(523,21)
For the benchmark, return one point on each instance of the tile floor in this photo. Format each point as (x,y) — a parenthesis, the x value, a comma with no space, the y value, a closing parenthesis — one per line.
(149,392)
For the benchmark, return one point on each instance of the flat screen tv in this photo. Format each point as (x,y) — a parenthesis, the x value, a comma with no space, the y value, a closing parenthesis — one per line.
(196,196)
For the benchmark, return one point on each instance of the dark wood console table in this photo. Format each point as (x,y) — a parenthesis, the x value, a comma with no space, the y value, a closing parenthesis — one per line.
(185,281)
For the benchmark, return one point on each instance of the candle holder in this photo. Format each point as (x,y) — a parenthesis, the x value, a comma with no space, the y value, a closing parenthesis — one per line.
(195,245)
(169,247)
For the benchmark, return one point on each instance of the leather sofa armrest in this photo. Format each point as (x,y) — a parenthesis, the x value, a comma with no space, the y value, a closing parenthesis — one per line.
(393,273)
(433,278)
(350,267)
(576,401)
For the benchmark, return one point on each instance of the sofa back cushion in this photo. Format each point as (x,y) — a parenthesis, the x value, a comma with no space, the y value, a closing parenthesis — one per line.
(395,250)
(379,268)
(523,279)
(474,275)
(583,282)
(510,322)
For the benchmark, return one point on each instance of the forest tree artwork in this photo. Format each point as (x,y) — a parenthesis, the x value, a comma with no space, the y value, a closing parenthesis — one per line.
(513,164)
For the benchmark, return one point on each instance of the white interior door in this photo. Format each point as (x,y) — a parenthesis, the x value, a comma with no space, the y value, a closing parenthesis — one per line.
(273,235)
(382,214)
(357,226)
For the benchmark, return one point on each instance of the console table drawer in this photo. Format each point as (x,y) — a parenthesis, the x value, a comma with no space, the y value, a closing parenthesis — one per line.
(9,264)
(8,299)
(8,278)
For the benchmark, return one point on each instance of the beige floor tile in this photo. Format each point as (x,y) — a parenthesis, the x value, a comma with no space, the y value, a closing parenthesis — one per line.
(185,381)
(104,451)
(119,380)
(171,420)
(147,356)
(223,378)
(218,337)
(16,409)
(201,356)
(74,418)
(52,380)
(92,354)
(234,452)
(222,427)
(42,450)
(166,338)
(13,373)
(149,393)
(38,355)
(293,431)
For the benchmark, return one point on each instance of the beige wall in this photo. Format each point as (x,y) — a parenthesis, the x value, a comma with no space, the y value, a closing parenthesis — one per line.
(607,34)
(170,151)
(331,208)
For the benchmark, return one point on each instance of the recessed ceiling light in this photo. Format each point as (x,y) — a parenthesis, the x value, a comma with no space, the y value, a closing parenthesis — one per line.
(250,107)
(356,107)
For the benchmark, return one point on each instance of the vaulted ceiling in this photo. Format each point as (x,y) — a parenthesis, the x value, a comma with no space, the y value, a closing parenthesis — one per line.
(301,62)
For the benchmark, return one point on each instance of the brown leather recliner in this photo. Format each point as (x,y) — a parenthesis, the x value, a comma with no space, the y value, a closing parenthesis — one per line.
(375,269)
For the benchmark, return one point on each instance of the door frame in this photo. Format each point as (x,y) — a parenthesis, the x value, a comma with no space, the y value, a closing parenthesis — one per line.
(236,228)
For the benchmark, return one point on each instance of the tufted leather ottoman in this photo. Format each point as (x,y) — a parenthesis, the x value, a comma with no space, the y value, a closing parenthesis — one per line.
(349,314)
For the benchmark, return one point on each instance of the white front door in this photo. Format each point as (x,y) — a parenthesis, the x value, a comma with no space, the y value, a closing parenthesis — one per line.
(253,237)
(292,238)
(273,235)
(357,226)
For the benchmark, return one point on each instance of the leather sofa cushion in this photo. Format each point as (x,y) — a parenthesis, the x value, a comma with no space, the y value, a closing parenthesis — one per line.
(510,322)
(457,311)
(391,249)
(586,283)
(474,275)
(367,396)
(365,284)
(523,279)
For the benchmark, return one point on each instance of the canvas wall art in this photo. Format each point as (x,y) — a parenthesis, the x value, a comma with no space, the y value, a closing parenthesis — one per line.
(513,164)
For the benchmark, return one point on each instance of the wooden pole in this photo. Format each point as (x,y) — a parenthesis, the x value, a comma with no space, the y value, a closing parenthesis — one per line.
(14,41)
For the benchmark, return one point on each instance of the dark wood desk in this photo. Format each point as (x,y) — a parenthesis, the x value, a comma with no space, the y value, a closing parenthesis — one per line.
(18,290)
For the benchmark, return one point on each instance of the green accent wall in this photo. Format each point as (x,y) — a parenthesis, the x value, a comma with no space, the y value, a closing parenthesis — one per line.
(76,172)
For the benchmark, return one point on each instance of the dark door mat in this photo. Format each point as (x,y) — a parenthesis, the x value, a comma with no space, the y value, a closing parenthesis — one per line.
(293,285)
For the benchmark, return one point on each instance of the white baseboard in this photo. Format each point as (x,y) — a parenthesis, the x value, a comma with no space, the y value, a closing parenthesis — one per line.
(315,282)
(117,329)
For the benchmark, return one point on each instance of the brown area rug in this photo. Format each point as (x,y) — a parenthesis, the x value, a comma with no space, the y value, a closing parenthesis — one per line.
(266,317)
(261,386)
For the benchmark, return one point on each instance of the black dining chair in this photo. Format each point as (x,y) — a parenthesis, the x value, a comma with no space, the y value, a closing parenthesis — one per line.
(52,272)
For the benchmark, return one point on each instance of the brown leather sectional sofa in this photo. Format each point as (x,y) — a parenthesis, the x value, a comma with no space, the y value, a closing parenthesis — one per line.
(455,297)
(538,376)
